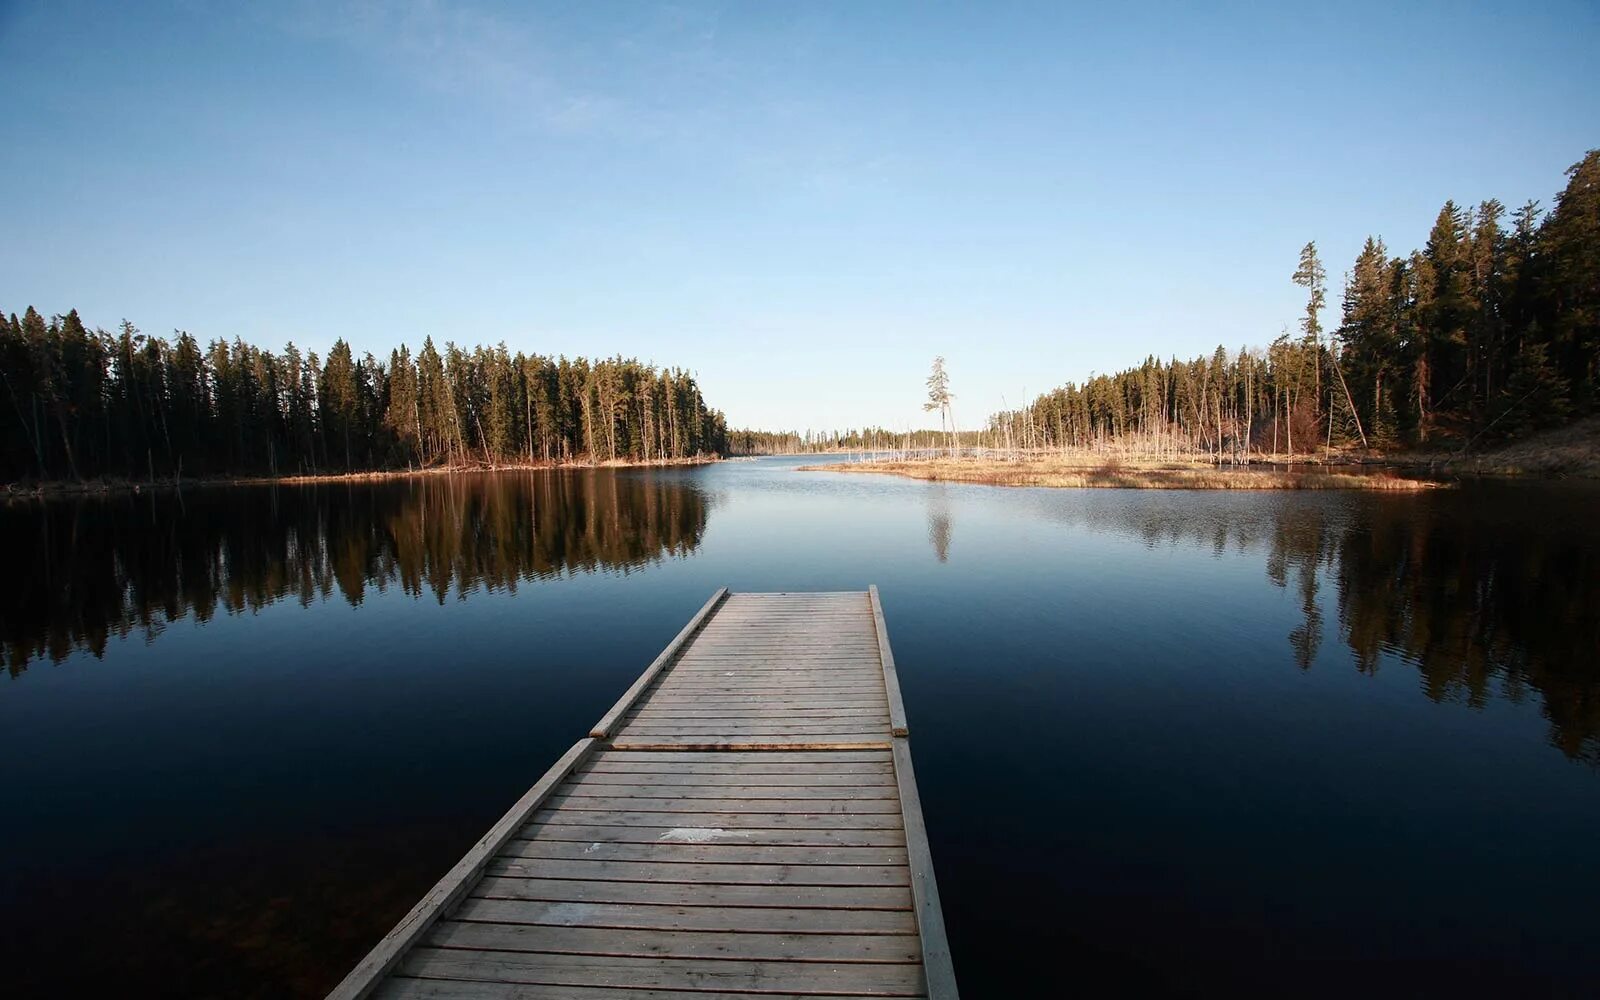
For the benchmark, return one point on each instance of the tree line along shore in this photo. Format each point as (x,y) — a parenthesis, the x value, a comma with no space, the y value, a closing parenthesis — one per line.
(1479,352)
(85,406)
(1488,334)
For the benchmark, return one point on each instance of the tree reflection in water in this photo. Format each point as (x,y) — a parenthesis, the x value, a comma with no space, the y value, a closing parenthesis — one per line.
(83,571)
(1491,590)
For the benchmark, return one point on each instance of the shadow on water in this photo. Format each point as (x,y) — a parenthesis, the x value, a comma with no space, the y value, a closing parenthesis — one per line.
(83,571)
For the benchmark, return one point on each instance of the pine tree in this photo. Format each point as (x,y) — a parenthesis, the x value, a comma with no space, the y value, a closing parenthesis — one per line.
(1535,395)
(939,395)
(1570,244)
(1311,276)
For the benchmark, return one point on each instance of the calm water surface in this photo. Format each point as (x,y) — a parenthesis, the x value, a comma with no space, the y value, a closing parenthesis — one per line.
(1197,742)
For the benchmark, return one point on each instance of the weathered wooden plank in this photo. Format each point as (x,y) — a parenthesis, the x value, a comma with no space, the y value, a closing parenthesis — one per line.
(800,703)
(754,919)
(864,700)
(851,625)
(757,715)
(808,624)
(390,951)
(846,756)
(781,674)
(860,733)
(791,637)
(699,873)
(848,678)
(776,690)
(747,655)
(699,793)
(691,820)
(721,853)
(648,711)
(821,703)
(792,596)
(777,644)
(814,673)
(860,717)
(829,897)
(821,700)
(795,619)
(675,780)
(786,644)
(810,634)
(871,979)
(738,685)
(812,807)
(813,669)
(712,741)
(488,936)
(773,727)
(845,616)
(930,918)
(603,727)
(796,693)
(653,832)
(406,988)
(755,660)
(808,703)
(810,630)
(882,789)
(766,609)
(622,763)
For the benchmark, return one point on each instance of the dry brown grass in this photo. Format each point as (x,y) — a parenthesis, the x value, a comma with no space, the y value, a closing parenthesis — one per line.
(1115,473)
(1572,451)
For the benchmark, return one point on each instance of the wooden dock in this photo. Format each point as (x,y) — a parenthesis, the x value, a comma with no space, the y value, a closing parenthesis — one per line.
(744,822)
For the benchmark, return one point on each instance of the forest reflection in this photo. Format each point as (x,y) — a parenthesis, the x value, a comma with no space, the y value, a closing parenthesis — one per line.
(83,571)
(1488,591)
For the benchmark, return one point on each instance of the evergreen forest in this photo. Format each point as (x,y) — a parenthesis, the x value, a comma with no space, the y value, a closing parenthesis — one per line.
(1489,331)
(81,404)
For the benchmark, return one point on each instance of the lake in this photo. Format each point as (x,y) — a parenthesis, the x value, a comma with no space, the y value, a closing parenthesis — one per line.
(1194,742)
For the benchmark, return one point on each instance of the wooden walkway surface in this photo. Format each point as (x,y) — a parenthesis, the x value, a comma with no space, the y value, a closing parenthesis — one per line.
(743,823)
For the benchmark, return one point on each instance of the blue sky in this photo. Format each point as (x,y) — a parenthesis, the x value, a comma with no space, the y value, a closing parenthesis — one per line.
(802,202)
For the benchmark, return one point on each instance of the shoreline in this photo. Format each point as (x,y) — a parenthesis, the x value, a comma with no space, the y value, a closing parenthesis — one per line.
(107,487)
(1563,453)
(1116,475)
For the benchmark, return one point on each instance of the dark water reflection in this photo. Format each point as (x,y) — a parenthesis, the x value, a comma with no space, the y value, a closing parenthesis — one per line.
(1199,742)
(91,569)
(1489,591)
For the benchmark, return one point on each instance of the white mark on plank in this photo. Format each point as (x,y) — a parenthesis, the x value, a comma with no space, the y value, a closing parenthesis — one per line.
(700,834)
(591,848)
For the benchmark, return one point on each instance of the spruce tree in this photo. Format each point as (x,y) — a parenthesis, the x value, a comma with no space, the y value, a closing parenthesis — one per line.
(1535,395)
(1570,243)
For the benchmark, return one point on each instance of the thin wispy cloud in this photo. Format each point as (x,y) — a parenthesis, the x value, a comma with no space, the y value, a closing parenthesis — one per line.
(666,76)
(519,68)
